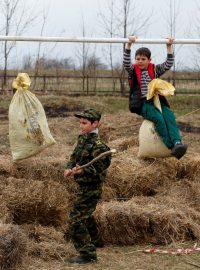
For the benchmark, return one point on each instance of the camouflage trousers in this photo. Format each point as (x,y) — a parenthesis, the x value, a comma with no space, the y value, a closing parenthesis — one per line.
(83,228)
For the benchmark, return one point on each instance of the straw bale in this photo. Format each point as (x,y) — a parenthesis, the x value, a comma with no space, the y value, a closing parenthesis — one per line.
(13,247)
(115,225)
(41,233)
(3,182)
(45,169)
(105,131)
(129,176)
(184,195)
(120,125)
(5,214)
(49,250)
(108,193)
(5,165)
(184,192)
(189,168)
(46,243)
(36,201)
(49,168)
(137,221)
(122,144)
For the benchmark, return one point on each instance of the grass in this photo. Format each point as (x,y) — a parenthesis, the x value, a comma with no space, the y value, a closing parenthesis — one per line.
(128,258)
(4,101)
(184,104)
(120,257)
(103,103)
(180,104)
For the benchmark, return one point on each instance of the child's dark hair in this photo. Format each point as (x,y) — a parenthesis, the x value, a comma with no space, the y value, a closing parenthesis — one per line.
(143,51)
(92,120)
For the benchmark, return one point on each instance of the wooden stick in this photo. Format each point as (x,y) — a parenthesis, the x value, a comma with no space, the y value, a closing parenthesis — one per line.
(192,263)
(112,151)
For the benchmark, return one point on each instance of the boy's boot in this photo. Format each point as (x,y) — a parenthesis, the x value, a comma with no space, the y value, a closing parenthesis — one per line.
(179,150)
(98,243)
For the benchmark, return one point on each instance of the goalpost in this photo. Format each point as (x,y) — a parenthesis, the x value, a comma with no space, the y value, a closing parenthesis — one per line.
(96,40)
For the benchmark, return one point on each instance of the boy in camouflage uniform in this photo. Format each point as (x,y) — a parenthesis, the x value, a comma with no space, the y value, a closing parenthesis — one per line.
(83,227)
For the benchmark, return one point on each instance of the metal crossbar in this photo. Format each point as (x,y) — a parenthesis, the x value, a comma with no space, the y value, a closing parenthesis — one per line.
(94,40)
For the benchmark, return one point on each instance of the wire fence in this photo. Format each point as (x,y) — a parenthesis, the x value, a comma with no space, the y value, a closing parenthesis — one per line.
(94,85)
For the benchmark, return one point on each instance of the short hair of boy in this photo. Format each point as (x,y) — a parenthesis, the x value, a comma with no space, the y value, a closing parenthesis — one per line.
(143,51)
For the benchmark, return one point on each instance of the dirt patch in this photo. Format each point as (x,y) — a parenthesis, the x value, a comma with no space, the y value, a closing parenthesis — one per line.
(144,201)
(3,114)
(61,111)
(188,128)
(51,111)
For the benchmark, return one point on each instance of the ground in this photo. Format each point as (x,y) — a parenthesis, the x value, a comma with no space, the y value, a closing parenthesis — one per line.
(118,126)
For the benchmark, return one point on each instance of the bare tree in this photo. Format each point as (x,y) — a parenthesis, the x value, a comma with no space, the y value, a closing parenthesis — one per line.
(43,50)
(124,18)
(52,63)
(109,27)
(196,53)
(27,62)
(82,54)
(171,18)
(93,65)
(16,20)
(38,55)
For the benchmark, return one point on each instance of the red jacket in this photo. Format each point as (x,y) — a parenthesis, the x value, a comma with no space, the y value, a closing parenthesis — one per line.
(138,72)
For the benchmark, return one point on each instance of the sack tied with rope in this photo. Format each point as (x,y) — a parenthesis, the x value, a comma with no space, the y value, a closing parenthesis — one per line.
(29,133)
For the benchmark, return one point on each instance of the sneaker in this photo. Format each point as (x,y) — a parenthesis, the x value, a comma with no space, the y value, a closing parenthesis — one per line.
(80,260)
(179,150)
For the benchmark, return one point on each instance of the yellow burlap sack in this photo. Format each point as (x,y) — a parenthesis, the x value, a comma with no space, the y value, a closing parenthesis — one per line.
(29,133)
(159,87)
(150,144)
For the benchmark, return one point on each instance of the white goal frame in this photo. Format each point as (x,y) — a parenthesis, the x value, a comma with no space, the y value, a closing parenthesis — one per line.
(95,40)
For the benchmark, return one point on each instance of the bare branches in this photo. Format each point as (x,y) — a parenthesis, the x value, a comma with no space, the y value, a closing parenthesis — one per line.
(17,19)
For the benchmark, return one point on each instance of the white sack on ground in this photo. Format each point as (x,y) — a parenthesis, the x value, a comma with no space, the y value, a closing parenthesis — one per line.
(29,133)
(150,144)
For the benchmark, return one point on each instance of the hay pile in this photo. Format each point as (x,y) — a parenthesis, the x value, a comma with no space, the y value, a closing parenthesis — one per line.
(143,201)
(36,202)
(189,168)
(5,165)
(5,213)
(129,176)
(172,214)
(48,202)
(13,247)
(50,168)
(46,243)
(147,220)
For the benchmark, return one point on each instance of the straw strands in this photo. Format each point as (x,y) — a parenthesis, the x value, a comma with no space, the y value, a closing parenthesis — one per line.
(143,201)
(147,220)
(36,201)
(129,176)
(13,247)
(46,243)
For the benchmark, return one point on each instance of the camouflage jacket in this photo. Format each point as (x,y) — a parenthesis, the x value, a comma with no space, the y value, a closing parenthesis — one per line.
(88,147)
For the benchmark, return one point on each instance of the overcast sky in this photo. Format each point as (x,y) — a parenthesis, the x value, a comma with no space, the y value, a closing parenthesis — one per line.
(65,18)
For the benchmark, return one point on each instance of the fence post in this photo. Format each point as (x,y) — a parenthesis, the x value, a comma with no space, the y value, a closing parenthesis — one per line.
(44,83)
(87,80)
